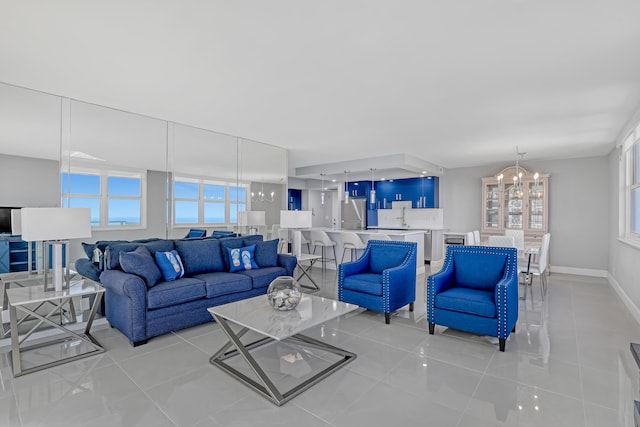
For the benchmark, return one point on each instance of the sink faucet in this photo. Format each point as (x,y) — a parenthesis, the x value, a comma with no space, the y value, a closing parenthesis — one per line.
(403,218)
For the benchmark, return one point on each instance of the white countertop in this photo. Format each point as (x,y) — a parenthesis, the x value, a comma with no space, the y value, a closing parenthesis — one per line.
(376,231)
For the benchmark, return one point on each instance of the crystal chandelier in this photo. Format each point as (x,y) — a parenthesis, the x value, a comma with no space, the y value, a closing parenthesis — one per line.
(517,189)
(262,197)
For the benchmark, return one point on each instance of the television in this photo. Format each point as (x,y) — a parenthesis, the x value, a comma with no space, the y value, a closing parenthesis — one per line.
(5,219)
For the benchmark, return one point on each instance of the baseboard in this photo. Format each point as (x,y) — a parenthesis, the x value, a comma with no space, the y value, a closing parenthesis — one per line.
(6,342)
(580,271)
(633,309)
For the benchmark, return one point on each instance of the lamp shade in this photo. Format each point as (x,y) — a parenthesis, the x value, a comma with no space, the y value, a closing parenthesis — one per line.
(296,219)
(251,218)
(39,224)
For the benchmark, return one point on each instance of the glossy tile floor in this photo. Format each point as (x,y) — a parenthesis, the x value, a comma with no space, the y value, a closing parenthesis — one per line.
(568,364)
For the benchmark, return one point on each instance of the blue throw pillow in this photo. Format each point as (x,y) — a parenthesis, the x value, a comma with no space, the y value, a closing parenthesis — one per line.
(88,249)
(141,263)
(267,253)
(241,259)
(170,264)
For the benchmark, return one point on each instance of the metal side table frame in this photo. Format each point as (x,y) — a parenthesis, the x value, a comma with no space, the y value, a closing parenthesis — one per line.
(58,299)
(305,270)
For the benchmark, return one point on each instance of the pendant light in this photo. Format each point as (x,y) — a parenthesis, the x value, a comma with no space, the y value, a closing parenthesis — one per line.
(346,187)
(322,192)
(372,192)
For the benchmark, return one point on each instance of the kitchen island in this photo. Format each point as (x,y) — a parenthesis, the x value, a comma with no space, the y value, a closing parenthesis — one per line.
(416,236)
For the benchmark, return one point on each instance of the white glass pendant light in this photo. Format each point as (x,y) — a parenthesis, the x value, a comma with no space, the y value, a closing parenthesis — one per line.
(346,187)
(372,192)
(322,190)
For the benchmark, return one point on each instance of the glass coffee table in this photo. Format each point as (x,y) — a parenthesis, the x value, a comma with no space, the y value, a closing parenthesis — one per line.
(256,314)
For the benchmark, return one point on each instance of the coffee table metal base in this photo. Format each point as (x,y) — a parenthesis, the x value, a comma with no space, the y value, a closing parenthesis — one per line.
(265,386)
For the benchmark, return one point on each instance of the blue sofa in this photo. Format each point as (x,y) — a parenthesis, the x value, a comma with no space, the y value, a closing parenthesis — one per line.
(141,309)
(476,291)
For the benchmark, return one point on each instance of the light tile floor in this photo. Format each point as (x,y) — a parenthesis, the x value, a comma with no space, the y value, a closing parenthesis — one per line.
(568,364)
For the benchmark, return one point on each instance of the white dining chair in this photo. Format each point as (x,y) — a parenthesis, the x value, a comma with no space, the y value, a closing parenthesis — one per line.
(540,268)
(350,241)
(476,237)
(501,241)
(518,238)
(469,240)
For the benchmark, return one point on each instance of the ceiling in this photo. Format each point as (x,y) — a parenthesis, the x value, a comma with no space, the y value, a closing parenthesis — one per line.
(452,83)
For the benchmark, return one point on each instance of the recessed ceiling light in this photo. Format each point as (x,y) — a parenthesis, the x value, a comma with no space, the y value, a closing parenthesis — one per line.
(424,172)
(333,180)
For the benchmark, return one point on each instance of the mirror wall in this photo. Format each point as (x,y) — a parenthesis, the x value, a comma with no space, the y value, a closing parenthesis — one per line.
(189,177)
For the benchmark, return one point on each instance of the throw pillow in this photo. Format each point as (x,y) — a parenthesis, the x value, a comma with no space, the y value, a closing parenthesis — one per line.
(141,263)
(88,249)
(241,259)
(267,253)
(170,264)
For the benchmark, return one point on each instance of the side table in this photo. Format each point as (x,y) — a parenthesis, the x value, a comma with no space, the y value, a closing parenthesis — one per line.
(23,300)
(305,269)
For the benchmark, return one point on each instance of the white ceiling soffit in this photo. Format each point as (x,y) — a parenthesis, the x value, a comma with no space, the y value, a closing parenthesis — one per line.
(393,166)
(460,83)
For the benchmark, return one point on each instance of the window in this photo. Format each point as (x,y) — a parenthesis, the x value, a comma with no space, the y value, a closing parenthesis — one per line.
(630,177)
(204,202)
(116,199)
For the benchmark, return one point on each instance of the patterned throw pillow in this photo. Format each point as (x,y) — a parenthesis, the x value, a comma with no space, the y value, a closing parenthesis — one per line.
(170,264)
(242,258)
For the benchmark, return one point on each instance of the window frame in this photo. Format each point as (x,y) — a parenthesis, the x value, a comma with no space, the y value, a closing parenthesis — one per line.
(104,197)
(202,202)
(627,163)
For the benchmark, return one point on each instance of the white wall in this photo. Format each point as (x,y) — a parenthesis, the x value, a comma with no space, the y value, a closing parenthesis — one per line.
(578,207)
(623,258)
(29,182)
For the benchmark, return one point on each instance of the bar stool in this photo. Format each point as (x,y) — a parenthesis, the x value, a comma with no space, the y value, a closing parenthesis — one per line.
(304,241)
(321,238)
(350,241)
(283,244)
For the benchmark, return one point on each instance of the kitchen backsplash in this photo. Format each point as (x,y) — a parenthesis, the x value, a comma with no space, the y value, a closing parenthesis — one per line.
(410,218)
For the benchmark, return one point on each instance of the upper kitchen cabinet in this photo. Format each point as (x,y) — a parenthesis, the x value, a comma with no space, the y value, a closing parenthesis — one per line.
(422,192)
(515,204)
(359,188)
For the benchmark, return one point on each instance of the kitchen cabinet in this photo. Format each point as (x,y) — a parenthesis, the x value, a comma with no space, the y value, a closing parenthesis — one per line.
(422,192)
(359,188)
(14,255)
(505,207)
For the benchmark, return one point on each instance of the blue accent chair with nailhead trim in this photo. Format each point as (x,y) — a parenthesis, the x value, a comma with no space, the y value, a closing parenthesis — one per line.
(383,279)
(476,291)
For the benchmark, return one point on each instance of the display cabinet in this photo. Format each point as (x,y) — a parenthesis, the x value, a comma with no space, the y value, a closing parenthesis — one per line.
(516,204)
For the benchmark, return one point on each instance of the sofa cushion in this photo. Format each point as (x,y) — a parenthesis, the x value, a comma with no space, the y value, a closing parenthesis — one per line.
(166,294)
(369,283)
(170,265)
(242,258)
(467,300)
(262,277)
(251,240)
(478,270)
(223,283)
(113,250)
(200,256)
(267,253)
(383,257)
(141,263)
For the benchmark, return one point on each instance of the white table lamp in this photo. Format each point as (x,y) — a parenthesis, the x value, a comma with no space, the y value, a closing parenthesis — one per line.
(54,227)
(296,220)
(251,219)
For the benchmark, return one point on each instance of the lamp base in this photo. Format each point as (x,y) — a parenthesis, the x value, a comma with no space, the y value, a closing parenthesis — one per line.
(56,270)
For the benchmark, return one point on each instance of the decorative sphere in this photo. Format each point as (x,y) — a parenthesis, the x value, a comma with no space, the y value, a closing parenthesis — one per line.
(284,293)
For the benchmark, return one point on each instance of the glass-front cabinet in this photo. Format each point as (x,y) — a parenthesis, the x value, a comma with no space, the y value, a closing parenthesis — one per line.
(516,200)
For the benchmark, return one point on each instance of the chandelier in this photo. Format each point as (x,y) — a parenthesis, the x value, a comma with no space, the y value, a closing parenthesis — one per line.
(263,197)
(517,189)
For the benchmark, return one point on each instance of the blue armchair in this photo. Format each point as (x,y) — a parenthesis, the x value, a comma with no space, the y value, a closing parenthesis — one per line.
(476,291)
(383,279)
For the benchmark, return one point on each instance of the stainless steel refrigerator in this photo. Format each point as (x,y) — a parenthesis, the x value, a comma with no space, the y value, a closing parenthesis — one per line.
(354,214)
